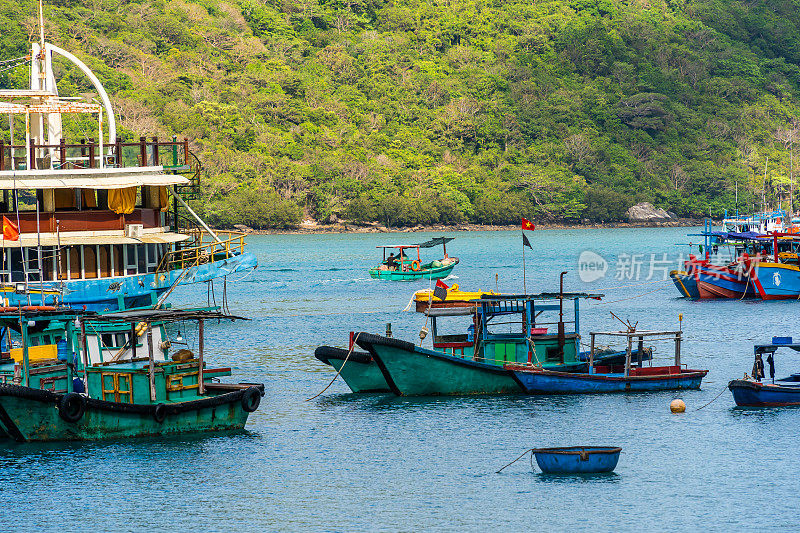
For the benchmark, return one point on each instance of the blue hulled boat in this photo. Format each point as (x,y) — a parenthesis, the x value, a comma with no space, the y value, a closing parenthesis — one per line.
(613,378)
(752,392)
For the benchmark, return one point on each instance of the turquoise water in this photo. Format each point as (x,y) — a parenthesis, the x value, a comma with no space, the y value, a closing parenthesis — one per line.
(345,462)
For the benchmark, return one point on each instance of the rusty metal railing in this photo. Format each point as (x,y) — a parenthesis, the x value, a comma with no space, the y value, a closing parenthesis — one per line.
(203,249)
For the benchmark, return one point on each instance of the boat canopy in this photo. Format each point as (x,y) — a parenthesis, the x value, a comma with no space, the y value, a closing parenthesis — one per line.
(777,342)
(89,178)
(162,315)
(436,241)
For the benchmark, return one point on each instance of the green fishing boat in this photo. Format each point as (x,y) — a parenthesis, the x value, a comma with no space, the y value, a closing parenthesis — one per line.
(67,375)
(403,268)
(505,330)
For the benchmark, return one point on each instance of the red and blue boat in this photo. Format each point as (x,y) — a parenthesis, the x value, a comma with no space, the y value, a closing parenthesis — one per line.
(752,392)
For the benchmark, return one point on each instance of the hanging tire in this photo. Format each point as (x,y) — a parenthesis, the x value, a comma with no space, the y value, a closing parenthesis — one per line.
(160,412)
(71,407)
(251,399)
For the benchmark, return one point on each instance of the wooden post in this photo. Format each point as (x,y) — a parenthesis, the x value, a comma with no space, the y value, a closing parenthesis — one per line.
(118,152)
(155,151)
(2,155)
(83,151)
(640,349)
(201,389)
(142,152)
(91,153)
(678,349)
(628,356)
(591,354)
(62,152)
(151,363)
(32,152)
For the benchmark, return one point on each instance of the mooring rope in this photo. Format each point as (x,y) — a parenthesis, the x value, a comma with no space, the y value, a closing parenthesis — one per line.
(631,298)
(517,459)
(340,368)
(715,398)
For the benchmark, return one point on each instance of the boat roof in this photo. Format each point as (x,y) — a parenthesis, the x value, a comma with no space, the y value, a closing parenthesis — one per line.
(89,178)
(777,342)
(436,241)
(162,315)
(489,298)
(92,238)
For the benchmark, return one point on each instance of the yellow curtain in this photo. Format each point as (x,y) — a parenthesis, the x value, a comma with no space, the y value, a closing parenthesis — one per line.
(162,192)
(89,198)
(122,201)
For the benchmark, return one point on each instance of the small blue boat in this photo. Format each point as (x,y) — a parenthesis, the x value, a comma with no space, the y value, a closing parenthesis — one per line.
(577,459)
(751,392)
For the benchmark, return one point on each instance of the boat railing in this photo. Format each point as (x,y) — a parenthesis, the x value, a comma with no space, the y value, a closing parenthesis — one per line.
(204,248)
(88,153)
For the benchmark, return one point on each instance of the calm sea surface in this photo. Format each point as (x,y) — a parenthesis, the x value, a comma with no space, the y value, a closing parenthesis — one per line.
(345,462)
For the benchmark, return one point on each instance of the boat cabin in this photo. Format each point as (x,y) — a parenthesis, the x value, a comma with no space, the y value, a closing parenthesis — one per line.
(511,329)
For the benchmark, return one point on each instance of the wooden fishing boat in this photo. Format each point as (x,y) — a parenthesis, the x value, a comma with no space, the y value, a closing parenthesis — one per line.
(402,268)
(82,376)
(685,282)
(614,378)
(360,373)
(752,392)
(577,459)
(506,331)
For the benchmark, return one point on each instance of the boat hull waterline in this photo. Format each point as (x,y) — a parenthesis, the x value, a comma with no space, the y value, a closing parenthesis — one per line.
(28,414)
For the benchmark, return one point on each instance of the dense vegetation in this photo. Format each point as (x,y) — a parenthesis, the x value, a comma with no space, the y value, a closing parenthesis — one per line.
(413,112)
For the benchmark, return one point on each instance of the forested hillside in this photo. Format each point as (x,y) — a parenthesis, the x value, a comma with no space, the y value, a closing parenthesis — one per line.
(414,112)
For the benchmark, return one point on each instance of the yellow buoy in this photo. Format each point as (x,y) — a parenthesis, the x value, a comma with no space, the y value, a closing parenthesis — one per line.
(677,406)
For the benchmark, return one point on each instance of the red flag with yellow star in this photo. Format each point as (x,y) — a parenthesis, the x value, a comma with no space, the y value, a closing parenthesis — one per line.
(527,224)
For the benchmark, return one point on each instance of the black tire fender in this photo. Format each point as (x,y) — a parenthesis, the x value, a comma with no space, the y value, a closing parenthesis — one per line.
(251,399)
(159,412)
(71,407)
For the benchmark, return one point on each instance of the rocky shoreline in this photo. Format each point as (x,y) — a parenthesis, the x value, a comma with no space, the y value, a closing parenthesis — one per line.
(309,227)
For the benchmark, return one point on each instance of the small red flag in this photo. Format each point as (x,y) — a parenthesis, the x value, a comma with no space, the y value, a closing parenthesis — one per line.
(10,230)
(527,224)
(440,290)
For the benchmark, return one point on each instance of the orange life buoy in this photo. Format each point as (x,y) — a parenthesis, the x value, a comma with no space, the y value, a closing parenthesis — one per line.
(415,265)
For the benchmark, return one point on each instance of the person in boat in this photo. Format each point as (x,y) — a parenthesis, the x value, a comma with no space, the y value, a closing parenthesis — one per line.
(758,368)
(391,262)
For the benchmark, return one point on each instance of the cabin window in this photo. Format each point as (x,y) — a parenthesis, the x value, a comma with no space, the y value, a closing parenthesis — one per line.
(116,260)
(15,259)
(553,355)
(152,257)
(130,259)
(49,260)
(74,262)
(31,257)
(90,262)
(113,340)
(104,260)
(141,259)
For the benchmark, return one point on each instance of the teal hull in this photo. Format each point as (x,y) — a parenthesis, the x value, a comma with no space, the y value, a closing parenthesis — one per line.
(413,371)
(395,275)
(32,415)
(361,377)
(360,373)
